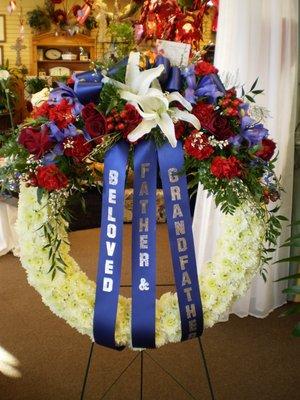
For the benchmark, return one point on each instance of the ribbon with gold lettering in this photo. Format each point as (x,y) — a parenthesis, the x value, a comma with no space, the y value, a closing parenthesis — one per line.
(174,183)
(110,257)
(144,245)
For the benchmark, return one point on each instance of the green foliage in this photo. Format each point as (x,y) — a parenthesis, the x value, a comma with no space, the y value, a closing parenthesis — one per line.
(294,289)
(91,23)
(122,35)
(109,99)
(250,96)
(34,85)
(39,19)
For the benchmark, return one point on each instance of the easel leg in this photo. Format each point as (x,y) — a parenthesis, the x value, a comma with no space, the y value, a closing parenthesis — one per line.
(87,372)
(142,374)
(206,370)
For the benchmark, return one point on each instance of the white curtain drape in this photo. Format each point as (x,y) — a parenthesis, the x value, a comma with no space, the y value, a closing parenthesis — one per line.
(258,38)
(8,235)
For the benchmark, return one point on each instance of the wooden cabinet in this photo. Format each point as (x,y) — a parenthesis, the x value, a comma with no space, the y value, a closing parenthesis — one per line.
(65,44)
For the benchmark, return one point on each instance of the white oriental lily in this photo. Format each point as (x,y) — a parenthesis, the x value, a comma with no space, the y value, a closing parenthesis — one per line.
(143,91)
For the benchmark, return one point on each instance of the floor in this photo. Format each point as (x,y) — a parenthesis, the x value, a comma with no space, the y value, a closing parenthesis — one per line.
(248,359)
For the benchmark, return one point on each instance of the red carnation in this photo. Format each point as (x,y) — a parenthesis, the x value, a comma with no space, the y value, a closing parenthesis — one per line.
(61,114)
(89,110)
(50,177)
(77,147)
(206,115)
(197,145)
(225,168)
(205,68)
(267,149)
(36,140)
(96,126)
(41,111)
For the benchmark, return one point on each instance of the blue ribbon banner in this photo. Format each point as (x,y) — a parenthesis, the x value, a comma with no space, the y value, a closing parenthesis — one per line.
(110,258)
(144,245)
(179,220)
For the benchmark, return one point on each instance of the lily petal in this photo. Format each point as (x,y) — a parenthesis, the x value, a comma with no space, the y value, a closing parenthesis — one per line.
(143,101)
(167,127)
(185,116)
(146,116)
(144,79)
(176,96)
(142,129)
(133,69)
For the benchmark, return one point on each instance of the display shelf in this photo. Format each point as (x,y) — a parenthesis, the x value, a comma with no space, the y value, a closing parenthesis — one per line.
(64,43)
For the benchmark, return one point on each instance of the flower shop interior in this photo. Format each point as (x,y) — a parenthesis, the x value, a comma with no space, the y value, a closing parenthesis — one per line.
(149,199)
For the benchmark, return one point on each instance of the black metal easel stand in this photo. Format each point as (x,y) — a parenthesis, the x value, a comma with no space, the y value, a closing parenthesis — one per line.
(141,355)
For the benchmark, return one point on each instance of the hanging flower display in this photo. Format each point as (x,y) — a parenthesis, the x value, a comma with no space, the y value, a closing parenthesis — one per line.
(169,20)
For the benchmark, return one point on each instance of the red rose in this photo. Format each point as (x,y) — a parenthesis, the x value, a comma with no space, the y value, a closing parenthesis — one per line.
(267,149)
(222,128)
(51,178)
(61,114)
(88,111)
(198,146)
(96,126)
(77,147)
(179,129)
(36,140)
(205,68)
(206,115)
(225,168)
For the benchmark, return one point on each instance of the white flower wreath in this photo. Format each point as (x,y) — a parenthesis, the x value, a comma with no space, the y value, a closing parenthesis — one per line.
(71,295)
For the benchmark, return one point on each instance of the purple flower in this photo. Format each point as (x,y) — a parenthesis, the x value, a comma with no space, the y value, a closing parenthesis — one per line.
(60,134)
(49,158)
(211,87)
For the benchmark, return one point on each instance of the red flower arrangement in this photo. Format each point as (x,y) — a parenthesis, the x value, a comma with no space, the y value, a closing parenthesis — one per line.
(96,126)
(205,68)
(197,145)
(77,147)
(125,121)
(60,114)
(51,178)
(226,168)
(267,149)
(36,140)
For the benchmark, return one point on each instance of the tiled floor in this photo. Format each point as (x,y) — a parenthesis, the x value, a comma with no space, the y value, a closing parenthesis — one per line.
(249,359)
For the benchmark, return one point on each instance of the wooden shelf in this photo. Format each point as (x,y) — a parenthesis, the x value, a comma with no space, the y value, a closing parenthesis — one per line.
(50,40)
(64,61)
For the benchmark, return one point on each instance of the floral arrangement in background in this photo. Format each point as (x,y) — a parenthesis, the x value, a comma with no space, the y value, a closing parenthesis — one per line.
(179,21)
(72,19)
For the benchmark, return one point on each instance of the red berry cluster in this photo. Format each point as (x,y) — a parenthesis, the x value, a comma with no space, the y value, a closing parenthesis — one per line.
(230,103)
(125,121)
(114,121)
